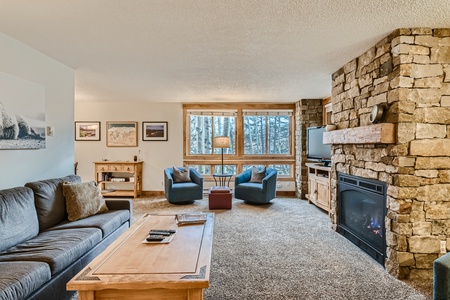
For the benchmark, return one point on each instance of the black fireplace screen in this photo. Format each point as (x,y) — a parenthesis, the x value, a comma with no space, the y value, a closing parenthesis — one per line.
(362,211)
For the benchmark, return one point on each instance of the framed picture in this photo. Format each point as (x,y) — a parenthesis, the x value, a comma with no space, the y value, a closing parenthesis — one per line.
(121,134)
(22,114)
(87,131)
(154,131)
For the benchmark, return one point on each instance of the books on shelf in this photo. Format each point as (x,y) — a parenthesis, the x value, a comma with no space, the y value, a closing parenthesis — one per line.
(190,218)
(118,179)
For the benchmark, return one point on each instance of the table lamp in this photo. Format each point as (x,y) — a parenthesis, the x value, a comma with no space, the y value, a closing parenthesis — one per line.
(221,142)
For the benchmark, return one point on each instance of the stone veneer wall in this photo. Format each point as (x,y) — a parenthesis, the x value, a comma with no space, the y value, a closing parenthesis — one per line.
(408,71)
(308,113)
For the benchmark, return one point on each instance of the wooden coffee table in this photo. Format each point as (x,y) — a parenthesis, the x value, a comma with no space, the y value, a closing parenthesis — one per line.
(130,269)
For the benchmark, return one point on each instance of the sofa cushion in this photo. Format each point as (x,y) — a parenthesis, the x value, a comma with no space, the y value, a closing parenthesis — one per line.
(49,200)
(83,200)
(58,248)
(107,222)
(18,217)
(18,280)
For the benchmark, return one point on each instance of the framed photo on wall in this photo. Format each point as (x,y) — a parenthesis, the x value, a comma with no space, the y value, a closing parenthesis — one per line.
(121,134)
(154,131)
(87,131)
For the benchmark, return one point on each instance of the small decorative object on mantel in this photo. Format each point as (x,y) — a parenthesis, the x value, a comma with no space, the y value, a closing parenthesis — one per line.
(330,127)
(377,113)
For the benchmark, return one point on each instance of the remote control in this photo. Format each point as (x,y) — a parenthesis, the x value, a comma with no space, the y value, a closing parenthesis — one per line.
(154,237)
(158,232)
(162,232)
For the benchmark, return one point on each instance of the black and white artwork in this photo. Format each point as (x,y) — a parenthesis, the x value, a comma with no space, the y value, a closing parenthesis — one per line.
(22,113)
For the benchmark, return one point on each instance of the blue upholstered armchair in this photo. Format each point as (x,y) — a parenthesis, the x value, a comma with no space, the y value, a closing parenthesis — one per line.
(183,192)
(253,192)
(441,277)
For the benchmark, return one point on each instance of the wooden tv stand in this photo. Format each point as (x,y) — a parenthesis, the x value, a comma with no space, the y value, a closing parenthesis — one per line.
(319,186)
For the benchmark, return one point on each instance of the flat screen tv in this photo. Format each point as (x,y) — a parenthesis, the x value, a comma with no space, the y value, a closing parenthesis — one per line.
(315,148)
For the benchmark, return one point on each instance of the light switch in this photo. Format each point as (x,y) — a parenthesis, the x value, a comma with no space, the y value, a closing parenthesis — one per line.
(50,131)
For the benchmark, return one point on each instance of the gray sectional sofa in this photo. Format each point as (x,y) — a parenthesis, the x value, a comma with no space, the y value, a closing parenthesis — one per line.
(40,250)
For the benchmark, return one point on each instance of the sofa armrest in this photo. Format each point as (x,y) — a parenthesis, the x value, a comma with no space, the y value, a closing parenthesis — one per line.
(118,204)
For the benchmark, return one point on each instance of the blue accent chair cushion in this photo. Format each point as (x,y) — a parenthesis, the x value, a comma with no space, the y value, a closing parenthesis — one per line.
(183,192)
(253,192)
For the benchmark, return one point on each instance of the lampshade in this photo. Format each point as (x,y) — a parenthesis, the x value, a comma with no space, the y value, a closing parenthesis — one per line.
(221,142)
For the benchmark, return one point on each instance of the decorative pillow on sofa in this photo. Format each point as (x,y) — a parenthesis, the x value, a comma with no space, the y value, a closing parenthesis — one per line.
(181,174)
(83,200)
(258,174)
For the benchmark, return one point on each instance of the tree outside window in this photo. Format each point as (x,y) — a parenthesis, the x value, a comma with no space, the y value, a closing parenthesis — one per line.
(202,129)
(267,134)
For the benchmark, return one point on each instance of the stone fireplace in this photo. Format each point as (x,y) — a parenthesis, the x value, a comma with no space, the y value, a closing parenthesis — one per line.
(408,72)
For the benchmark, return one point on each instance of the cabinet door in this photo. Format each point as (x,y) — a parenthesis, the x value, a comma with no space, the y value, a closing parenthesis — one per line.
(323,193)
(312,190)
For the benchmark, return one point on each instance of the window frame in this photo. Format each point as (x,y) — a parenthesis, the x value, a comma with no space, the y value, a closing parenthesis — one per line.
(239,158)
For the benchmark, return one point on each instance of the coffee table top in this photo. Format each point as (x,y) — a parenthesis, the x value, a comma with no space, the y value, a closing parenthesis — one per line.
(185,261)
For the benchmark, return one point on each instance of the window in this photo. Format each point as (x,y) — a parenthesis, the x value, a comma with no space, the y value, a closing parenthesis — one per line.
(267,132)
(254,135)
(205,125)
(260,135)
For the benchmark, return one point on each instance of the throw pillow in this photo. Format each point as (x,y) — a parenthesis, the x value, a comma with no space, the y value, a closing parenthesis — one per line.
(258,174)
(181,174)
(83,200)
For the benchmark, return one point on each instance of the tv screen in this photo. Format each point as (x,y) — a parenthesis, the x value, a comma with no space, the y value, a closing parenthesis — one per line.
(315,148)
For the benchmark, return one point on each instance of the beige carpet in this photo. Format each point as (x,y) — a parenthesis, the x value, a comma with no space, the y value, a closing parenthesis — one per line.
(286,250)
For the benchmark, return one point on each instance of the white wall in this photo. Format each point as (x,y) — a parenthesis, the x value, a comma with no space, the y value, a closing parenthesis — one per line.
(157,155)
(20,166)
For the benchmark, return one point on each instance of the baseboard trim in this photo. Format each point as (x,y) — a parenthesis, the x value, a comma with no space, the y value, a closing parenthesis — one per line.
(152,193)
(286,194)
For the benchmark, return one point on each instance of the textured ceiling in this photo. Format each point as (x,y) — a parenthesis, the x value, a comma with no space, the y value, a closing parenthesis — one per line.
(209,50)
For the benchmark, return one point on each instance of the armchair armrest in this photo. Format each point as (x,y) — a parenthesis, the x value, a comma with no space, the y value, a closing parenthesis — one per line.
(196,177)
(270,180)
(168,180)
(243,177)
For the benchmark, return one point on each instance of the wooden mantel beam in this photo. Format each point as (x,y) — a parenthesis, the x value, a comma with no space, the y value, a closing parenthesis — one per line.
(383,133)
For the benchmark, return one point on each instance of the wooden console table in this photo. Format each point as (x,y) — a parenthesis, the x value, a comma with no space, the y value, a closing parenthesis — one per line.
(319,186)
(131,269)
(130,171)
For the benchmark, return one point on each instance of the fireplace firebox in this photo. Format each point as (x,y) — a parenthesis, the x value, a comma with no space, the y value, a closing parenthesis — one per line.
(362,212)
